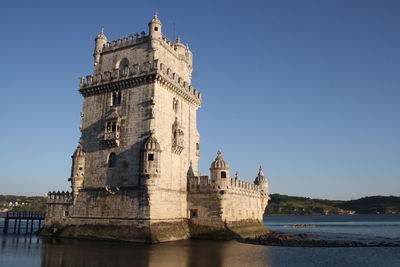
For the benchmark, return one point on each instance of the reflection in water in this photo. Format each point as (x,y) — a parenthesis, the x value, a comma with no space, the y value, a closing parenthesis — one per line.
(182,253)
(22,250)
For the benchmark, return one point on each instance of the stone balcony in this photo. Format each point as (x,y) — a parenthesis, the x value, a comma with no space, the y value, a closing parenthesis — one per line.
(111,138)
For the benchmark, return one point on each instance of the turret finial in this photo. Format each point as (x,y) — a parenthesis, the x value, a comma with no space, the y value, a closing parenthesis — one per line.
(219,153)
(260,171)
(178,39)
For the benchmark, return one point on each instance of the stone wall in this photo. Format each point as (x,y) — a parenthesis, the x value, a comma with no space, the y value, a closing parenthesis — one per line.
(233,200)
(58,208)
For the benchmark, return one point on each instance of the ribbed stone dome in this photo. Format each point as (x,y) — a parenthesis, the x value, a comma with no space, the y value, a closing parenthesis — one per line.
(152,144)
(260,177)
(219,162)
(155,19)
(101,35)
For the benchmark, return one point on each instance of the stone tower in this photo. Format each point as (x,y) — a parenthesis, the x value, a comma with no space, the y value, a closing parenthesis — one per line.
(135,172)
(139,136)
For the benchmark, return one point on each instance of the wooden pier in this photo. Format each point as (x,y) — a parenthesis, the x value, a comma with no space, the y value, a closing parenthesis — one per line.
(14,219)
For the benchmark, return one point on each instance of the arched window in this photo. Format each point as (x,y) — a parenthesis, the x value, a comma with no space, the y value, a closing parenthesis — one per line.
(112,160)
(223,174)
(122,66)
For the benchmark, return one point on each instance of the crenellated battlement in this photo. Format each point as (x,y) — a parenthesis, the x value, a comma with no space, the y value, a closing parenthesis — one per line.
(180,50)
(59,197)
(126,41)
(136,73)
(202,184)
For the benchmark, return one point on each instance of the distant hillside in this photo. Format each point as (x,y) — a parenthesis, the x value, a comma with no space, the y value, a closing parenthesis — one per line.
(374,204)
(23,203)
(290,205)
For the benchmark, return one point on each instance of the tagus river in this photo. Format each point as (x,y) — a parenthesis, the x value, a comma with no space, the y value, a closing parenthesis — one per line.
(31,250)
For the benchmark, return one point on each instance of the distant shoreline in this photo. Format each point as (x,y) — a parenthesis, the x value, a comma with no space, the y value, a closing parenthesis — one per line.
(292,205)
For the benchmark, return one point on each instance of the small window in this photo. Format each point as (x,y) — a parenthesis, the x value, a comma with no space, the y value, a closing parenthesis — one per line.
(155,28)
(193,213)
(150,157)
(112,160)
(116,98)
(223,174)
(66,213)
(175,104)
(197,146)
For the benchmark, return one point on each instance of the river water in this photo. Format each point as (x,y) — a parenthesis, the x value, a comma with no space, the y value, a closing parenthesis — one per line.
(30,250)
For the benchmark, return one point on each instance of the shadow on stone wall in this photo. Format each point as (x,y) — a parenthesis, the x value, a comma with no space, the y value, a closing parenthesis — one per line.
(127,169)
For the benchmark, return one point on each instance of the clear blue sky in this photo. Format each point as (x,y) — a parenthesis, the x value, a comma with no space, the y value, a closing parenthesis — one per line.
(308,89)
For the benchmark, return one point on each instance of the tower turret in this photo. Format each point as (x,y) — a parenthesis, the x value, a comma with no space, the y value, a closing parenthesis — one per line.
(155,28)
(219,169)
(77,170)
(261,180)
(100,40)
(151,156)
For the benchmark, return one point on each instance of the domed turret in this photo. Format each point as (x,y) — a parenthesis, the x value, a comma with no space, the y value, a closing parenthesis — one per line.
(219,162)
(100,40)
(77,169)
(219,169)
(155,27)
(261,180)
(78,151)
(151,144)
(151,156)
(179,47)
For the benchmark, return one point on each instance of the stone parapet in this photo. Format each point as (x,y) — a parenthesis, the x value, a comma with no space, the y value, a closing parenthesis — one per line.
(124,42)
(234,185)
(145,72)
(59,197)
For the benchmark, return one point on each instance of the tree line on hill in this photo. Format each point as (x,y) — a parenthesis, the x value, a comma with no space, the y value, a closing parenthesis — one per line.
(291,205)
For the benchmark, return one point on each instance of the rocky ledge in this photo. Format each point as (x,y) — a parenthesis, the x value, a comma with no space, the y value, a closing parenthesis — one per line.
(306,240)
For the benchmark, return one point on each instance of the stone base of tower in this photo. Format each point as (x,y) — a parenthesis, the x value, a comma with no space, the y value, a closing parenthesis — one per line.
(227,231)
(142,231)
(145,231)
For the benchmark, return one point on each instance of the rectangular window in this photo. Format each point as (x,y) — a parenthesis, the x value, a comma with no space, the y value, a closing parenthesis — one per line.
(150,157)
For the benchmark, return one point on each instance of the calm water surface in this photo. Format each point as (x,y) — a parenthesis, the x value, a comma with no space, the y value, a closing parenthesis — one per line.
(25,250)
(364,228)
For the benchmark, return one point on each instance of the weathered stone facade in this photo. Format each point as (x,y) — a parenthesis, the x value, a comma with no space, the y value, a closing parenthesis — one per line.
(134,174)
